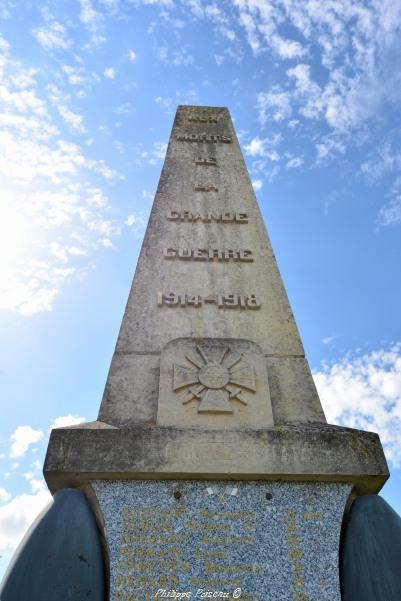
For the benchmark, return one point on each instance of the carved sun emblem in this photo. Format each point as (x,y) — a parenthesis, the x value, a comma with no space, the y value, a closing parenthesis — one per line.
(214,383)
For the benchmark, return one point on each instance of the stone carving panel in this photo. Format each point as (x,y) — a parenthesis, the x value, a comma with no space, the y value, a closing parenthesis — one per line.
(213,383)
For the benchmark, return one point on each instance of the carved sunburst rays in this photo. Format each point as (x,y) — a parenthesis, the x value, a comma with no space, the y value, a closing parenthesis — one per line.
(214,383)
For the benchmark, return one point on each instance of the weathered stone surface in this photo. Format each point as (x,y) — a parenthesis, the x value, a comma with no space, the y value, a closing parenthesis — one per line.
(60,557)
(206,271)
(306,453)
(372,552)
(271,540)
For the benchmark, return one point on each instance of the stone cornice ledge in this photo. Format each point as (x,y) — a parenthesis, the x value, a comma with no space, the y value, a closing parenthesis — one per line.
(301,452)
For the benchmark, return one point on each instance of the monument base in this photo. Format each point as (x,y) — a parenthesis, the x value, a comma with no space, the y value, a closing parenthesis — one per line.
(300,452)
(215,539)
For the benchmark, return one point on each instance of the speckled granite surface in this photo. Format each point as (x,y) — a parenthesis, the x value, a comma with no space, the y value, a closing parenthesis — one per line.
(249,540)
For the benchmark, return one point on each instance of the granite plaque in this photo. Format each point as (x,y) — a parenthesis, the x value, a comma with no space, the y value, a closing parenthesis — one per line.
(247,540)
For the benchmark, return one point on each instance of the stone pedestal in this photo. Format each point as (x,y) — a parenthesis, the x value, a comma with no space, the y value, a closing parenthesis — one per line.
(249,540)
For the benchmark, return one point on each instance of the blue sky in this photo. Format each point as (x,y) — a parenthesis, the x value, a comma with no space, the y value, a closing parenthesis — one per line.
(88,92)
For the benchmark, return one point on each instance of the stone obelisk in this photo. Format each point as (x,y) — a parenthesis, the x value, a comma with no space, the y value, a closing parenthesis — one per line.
(211,467)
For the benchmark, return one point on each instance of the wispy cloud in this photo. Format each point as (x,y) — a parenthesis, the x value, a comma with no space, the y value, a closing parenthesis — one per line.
(257,184)
(53,36)
(74,120)
(176,58)
(276,104)
(263,147)
(132,56)
(109,73)
(365,392)
(47,197)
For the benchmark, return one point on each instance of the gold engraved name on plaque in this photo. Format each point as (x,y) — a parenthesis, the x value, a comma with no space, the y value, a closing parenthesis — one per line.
(207,254)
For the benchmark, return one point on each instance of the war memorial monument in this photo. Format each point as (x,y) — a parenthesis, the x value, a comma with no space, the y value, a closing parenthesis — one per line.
(211,471)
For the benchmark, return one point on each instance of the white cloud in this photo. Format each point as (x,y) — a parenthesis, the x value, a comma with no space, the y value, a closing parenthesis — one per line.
(17,515)
(175,58)
(294,163)
(4,495)
(52,36)
(265,147)
(131,220)
(159,151)
(47,200)
(136,222)
(73,119)
(386,160)
(22,439)
(67,420)
(257,184)
(93,21)
(354,42)
(34,477)
(307,90)
(88,14)
(365,392)
(109,73)
(390,213)
(278,101)
(287,49)
(132,56)
(165,102)
(75,75)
